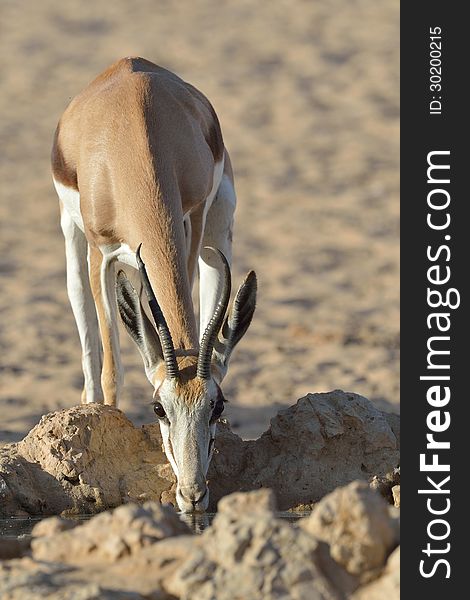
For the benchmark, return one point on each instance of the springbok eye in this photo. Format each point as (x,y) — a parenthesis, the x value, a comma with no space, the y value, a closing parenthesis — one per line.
(159,410)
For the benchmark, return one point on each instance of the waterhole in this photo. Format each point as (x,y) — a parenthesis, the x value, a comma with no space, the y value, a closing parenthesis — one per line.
(20,528)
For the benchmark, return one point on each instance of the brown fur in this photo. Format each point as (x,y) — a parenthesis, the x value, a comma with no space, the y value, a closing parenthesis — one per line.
(189,388)
(140,145)
(108,372)
(63,173)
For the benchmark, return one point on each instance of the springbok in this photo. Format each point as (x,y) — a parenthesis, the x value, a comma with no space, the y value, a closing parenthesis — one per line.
(139,162)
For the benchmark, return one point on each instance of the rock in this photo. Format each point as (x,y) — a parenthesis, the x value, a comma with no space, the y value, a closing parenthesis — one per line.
(387,585)
(299,508)
(27,579)
(355,522)
(247,553)
(52,526)
(82,460)
(394,514)
(384,484)
(109,536)
(322,442)
(394,421)
(261,502)
(396,495)
(123,554)
(89,458)
(145,552)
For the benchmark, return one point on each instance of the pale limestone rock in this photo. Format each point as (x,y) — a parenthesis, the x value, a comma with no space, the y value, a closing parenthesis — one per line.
(82,460)
(387,586)
(394,514)
(384,484)
(247,553)
(109,536)
(355,522)
(322,442)
(396,495)
(52,526)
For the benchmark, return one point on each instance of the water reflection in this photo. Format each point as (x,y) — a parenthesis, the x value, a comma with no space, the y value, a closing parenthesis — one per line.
(200,521)
(14,527)
(197,521)
(18,527)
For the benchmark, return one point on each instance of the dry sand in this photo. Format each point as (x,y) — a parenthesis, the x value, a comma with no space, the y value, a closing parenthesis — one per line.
(307,94)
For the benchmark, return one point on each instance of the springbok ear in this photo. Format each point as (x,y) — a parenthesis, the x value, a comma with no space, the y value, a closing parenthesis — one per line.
(138,324)
(236,322)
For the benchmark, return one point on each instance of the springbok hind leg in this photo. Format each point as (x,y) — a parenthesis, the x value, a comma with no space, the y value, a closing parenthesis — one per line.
(81,301)
(102,275)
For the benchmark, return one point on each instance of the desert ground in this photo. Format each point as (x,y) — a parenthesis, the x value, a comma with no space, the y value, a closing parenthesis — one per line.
(307,93)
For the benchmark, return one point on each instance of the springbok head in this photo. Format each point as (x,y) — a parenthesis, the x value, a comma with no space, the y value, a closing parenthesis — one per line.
(188,399)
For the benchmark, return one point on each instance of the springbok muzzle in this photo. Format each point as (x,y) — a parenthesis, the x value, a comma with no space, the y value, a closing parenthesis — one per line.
(193,498)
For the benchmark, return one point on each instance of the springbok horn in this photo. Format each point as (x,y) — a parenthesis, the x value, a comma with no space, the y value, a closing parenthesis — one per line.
(164,334)
(214,325)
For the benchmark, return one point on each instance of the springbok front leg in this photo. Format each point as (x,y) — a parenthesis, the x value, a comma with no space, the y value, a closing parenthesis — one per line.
(103,277)
(109,369)
(83,307)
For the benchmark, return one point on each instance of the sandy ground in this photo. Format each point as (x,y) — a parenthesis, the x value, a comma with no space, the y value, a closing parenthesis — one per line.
(307,94)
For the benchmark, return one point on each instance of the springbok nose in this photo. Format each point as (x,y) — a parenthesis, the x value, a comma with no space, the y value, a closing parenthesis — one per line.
(193,494)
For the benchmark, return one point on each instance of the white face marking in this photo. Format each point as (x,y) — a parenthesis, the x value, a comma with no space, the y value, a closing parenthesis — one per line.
(187,433)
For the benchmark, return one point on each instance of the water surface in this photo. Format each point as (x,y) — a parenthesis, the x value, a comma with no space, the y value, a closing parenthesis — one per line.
(20,527)
(199,522)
